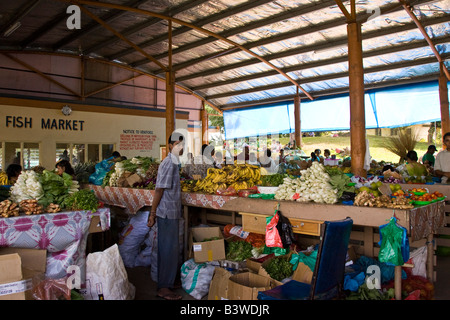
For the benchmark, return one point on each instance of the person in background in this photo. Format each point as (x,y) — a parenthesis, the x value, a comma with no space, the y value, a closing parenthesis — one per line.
(413,167)
(314,157)
(318,152)
(244,155)
(326,154)
(267,162)
(282,158)
(13,171)
(64,166)
(442,163)
(428,158)
(201,163)
(166,211)
(218,160)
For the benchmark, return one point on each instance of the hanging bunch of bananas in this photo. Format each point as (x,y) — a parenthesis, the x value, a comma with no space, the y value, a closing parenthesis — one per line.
(187,185)
(3,179)
(238,176)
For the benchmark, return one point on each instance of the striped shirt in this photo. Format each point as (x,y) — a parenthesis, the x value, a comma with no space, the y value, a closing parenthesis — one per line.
(168,178)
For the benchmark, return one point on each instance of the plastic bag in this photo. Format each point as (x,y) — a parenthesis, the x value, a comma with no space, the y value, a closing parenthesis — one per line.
(101,169)
(272,236)
(50,289)
(106,277)
(196,278)
(132,237)
(284,228)
(394,244)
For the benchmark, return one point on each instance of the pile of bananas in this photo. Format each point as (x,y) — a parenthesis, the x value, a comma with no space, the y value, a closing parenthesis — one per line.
(188,185)
(238,176)
(3,179)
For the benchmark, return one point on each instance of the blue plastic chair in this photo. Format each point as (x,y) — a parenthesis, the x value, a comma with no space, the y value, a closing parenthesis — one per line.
(328,275)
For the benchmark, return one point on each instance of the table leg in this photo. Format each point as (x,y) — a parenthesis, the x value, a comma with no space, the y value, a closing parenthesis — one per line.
(186,230)
(430,251)
(398,282)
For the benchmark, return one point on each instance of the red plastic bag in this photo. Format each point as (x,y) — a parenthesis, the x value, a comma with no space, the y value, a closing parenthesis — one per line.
(272,236)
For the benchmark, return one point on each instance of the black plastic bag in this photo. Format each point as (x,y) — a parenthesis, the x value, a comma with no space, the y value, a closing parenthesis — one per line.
(284,228)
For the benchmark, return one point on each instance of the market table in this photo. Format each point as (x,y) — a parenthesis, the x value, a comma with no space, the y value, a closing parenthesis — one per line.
(421,222)
(63,235)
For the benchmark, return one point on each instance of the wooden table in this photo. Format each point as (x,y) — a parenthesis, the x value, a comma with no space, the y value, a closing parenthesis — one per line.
(421,222)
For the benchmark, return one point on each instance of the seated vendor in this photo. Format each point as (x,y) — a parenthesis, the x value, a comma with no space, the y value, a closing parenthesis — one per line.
(13,171)
(413,167)
(428,157)
(442,163)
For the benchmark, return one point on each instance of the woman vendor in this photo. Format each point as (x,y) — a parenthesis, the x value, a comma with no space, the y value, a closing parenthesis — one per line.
(413,167)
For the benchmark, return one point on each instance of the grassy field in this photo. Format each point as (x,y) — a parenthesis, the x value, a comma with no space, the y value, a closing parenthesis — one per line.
(377,151)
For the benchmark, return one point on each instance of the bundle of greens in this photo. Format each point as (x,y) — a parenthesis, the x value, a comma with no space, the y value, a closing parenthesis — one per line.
(56,188)
(279,268)
(339,180)
(239,250)
(83,199)
(272,180)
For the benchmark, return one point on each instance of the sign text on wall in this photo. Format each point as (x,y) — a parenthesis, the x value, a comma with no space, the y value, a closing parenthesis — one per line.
(46,123)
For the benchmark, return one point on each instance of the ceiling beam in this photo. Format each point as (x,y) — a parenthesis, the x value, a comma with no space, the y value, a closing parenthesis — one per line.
(250,26)
(390,7)
(325,62)
(138,27)
(120,36)
(329,92)
(201,22)
(112,86)
(181,22)
(30,5)
(93,26)
(410,12)
(323,45)
(326,77)
(40,73)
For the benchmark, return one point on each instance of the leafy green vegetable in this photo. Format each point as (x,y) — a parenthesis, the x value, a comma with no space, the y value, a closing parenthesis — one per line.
(272,180)
(56,188)
(279,268)
(239,250)
(84,199)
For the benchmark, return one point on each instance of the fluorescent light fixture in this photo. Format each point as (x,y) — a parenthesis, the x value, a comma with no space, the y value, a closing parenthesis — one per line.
(12,28)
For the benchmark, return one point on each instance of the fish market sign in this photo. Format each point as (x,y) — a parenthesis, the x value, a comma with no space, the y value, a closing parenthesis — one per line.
(46,123)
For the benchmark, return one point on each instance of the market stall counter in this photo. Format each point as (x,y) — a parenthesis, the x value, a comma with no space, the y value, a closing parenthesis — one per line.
(421,222)
(63,234)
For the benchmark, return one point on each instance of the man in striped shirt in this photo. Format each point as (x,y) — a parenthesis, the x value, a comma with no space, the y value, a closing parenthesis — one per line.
(166,210)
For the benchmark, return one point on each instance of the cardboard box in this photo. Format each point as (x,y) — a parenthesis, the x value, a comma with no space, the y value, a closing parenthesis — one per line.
(205,251)
(17,268)
(303,273)
(218,288)
(245,286)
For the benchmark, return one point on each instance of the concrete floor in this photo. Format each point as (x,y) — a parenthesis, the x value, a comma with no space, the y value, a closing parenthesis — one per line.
(146,288)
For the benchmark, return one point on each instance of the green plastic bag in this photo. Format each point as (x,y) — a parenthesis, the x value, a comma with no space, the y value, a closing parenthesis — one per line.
(391,244)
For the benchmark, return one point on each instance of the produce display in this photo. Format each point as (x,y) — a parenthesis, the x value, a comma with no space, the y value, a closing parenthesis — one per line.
(37,192)
(83,199)
(312,185)
(367,199)
(138,172)
(9,209)
(237,176)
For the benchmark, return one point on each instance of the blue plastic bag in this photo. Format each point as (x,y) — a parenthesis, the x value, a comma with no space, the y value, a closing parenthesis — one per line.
(101,169)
